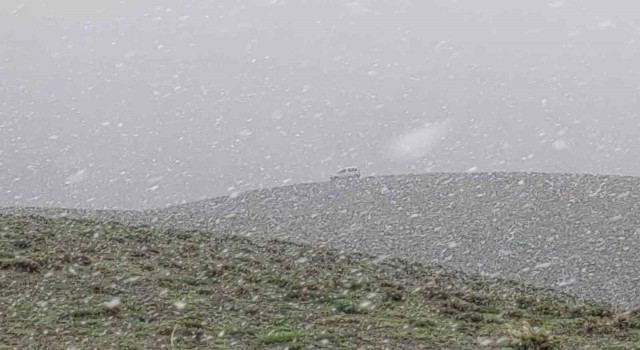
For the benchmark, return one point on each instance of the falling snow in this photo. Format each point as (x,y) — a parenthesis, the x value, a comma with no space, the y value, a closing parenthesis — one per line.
(504,153)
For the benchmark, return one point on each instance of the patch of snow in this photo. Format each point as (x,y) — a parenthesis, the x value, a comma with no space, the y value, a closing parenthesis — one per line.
(543,265)
(180,305)
(607,24)
(556,4)
(560,145)
(418,143)
(114,303)
(77,177)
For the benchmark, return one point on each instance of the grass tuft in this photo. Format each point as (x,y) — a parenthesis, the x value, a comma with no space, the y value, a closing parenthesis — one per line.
(280,336)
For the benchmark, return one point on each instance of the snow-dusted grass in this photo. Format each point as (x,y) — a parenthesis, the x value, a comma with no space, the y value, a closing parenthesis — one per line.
(82,284)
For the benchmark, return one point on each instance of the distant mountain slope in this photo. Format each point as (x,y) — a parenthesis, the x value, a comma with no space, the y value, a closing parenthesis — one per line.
(499,196)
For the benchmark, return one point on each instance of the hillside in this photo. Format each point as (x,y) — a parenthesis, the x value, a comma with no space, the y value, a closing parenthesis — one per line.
(78,284)
(576,233)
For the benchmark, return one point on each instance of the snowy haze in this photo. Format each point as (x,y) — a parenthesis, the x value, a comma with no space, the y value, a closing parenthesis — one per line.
(144,103)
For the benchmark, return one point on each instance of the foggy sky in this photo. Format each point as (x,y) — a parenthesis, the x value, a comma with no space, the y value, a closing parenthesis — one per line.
(144,103)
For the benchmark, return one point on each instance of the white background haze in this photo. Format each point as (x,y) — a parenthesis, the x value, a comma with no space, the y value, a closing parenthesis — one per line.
(144,103)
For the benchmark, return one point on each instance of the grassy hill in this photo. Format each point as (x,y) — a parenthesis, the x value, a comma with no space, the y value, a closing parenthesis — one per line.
(79,284)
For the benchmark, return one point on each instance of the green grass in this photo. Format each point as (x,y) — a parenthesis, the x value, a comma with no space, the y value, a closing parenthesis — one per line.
(279,337)
(80,284)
